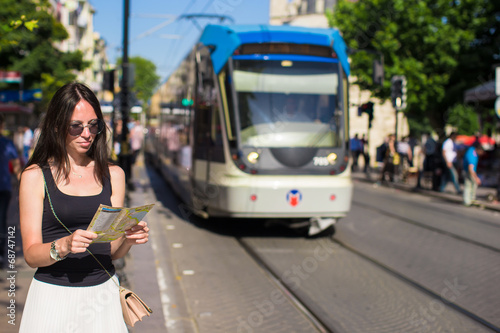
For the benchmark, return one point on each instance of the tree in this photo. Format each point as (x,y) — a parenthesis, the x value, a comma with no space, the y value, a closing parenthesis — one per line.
(145,78)
(464,118)
(32,53)
(423,40)
(7,27)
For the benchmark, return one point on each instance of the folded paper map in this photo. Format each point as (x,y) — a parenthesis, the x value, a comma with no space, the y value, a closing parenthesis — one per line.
(110,223)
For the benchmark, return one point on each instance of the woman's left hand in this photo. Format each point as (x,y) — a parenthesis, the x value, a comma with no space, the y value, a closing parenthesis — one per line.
(138,234)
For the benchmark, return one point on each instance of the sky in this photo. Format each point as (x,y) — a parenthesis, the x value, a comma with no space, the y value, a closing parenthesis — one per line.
(156,33)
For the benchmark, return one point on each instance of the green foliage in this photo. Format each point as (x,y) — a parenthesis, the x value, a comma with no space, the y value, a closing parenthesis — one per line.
(145,78)
(464,118)
(28,33)
(435,44)
(6,28)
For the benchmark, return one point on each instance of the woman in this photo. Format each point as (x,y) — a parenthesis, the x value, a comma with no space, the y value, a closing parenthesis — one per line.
(71,291)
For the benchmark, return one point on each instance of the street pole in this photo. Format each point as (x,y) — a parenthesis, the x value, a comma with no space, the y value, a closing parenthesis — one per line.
(396,129)
(124,156)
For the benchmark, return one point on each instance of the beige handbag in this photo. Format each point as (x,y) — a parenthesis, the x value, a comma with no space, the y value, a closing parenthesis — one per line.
(133,307)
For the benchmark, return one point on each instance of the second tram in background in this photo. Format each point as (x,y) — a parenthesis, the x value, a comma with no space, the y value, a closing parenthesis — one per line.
(254,124)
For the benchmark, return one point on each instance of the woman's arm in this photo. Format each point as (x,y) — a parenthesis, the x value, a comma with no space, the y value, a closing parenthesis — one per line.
(31,196)
(137,234)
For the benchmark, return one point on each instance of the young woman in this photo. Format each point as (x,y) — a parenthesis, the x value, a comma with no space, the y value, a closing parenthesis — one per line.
(69,176)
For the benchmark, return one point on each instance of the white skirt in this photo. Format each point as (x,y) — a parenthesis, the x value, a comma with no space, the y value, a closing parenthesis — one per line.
(58,309)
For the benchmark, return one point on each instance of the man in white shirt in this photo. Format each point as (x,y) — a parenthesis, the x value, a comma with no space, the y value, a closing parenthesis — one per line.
(27,142)
(450,158)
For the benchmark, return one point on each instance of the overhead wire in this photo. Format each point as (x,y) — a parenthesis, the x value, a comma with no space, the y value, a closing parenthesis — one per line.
(185,33)
(171,50)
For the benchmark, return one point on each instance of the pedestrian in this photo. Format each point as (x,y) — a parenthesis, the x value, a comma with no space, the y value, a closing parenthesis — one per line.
(66,179)
(391,160)
(136,139)
(27,142)
(427,149)
(405,151)
(366,153)
(8,155)
(356,150)
(18,143)
(471,180)
(449,152)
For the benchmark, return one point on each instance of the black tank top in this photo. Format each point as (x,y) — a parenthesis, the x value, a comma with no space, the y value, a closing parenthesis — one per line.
(77,270)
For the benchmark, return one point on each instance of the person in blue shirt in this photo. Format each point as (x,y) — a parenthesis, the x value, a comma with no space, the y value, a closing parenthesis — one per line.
(356,149)
(8,154)
(471,181)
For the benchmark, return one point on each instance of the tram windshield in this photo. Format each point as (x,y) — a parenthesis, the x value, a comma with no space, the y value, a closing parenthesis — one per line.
(285,103)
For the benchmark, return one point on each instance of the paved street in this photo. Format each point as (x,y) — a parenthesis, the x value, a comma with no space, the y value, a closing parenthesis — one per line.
(401,261)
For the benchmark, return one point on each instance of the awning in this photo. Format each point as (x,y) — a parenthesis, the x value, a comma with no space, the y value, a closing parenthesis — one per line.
(15,108)
(482,93)
(468,140)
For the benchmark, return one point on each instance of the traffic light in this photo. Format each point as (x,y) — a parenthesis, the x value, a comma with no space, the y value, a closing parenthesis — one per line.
(398,92)
(368,109)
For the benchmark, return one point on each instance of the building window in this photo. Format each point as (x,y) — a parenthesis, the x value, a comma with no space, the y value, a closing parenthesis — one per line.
(329,4)
(311,6)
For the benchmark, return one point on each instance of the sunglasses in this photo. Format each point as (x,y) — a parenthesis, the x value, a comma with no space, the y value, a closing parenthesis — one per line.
(95,126)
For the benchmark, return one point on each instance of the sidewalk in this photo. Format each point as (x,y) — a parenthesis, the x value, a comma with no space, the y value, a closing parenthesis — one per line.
(482,196)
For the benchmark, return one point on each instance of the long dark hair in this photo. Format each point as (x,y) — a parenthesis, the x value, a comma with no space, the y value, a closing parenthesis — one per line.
(51,144)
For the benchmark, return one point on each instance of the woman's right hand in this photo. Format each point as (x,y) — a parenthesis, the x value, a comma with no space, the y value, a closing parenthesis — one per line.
(77,242)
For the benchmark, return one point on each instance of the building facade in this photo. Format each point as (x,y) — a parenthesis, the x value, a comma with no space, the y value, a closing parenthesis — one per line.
(77,16)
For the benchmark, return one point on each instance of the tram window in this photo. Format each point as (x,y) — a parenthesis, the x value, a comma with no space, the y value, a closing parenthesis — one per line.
(202,130)
(227,99)
(217,151)
(216,130)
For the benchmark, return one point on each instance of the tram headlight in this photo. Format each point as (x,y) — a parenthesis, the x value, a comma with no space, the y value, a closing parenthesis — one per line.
(332,157)
(253,157)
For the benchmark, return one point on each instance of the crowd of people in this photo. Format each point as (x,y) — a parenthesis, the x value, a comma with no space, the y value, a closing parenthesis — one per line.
(440,163)
(359,147)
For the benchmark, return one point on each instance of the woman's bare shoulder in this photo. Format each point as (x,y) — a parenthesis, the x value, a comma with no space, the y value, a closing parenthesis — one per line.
(116,171)
(31,180)
(32,173)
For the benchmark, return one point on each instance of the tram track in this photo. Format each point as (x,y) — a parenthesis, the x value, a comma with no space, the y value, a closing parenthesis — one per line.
(411,281)
(426,226)
(418,286)
(287,292)
(319,324)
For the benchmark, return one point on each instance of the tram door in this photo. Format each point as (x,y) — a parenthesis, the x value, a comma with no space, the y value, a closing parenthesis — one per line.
(208,146)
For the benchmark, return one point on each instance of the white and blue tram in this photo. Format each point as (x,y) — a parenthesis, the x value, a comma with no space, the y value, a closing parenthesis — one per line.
(254,124)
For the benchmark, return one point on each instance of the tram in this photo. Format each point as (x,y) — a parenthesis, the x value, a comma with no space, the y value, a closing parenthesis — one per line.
(254,124)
